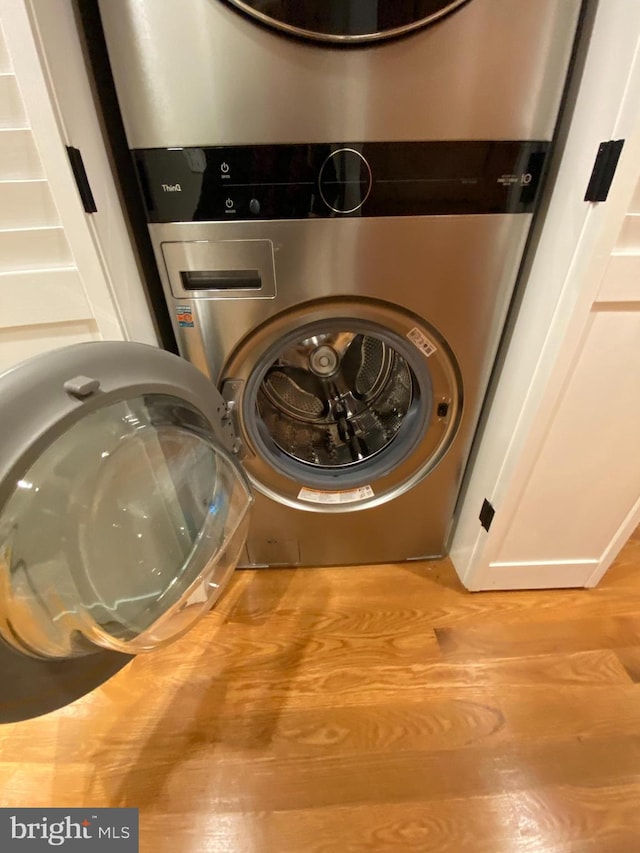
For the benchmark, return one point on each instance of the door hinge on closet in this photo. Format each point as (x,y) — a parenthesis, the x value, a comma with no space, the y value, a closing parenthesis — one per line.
(486,514)
(604,170)
(82,181)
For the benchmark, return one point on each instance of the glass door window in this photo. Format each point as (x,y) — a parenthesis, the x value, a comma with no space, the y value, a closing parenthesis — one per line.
(122,509)
(121,534)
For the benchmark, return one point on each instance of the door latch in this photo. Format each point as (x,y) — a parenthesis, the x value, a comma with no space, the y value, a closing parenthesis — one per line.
(231,393)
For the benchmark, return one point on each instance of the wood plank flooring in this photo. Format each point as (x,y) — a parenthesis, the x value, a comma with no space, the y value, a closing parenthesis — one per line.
(365,709)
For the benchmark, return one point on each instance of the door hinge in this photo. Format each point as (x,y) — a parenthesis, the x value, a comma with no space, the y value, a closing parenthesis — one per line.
(82,181)
(486,514)
(604,169)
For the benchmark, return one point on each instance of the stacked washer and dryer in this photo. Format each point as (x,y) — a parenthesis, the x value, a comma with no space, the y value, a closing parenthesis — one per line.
(338,194)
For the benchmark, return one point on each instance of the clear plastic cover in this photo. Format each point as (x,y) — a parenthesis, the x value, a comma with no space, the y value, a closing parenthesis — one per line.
(122,534)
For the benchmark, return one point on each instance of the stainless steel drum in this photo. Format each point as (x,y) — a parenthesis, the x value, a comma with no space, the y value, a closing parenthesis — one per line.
(336,399)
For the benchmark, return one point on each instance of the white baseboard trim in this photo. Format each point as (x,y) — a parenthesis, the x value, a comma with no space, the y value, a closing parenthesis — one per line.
(535,575)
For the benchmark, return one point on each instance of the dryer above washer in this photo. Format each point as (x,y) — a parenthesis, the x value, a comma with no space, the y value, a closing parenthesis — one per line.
(204,73)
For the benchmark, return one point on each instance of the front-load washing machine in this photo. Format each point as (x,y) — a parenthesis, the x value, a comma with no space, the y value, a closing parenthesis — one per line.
(338,195)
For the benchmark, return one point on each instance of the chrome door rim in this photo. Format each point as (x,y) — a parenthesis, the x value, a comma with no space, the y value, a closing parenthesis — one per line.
(346,40)
(422,445)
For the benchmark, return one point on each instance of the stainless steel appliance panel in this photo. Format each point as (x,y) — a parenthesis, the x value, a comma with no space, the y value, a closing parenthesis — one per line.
(201,73)
(414,525)
(456,272)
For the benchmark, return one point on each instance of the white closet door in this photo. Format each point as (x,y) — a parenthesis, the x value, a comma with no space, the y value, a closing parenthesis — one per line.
(53,286)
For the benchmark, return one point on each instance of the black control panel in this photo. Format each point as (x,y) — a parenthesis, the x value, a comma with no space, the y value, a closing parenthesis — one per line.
(339,179)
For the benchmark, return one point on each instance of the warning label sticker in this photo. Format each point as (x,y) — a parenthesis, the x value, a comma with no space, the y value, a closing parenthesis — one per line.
(421,341)
(347,497)
(184,316)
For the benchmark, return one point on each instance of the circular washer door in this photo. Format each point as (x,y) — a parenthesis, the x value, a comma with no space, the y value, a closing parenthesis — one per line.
(344,405)
(122,515)
(347,21)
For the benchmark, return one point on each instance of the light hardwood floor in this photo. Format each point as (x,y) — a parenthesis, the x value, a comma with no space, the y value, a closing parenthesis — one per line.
(377,708)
